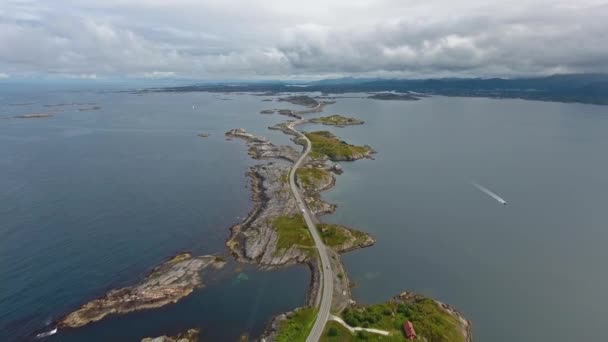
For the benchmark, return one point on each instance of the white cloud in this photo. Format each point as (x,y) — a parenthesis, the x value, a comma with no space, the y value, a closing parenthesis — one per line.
(274,38)
(82,76)
(4,75)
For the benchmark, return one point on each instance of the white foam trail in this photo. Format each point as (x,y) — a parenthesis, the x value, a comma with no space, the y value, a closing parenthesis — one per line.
(489,193)
(46,334)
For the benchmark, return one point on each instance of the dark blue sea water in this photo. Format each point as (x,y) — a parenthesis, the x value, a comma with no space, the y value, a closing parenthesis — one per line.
(533,270)
(92,200)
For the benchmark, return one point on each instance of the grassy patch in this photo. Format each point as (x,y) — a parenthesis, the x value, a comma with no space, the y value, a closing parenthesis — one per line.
(285,178)
(430,321)
(332,234)
(180,257)
(297,327)
(326,144)
(337,120)
(335,332)
(292,230)
(308,177)
(335,235)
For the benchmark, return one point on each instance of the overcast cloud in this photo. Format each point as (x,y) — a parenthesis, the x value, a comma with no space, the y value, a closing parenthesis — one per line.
(301,39)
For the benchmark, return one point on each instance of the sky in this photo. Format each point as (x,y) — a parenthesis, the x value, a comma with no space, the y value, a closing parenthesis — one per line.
(305,39)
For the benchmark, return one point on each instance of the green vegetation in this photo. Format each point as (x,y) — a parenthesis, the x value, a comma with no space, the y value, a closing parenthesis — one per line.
(337,120)
(308,177)
(335,235)
(298,326)
(285,178)
(335,332)
(180,257)
(292,230)
(326,144)
(430,321)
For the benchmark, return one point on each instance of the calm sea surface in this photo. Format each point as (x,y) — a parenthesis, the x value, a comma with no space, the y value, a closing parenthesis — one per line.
(93,200)
(533,270)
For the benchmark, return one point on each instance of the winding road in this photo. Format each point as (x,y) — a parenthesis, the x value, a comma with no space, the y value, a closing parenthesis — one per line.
(326,271)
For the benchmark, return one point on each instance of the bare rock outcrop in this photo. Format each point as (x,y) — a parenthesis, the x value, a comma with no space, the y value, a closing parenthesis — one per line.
(255,239)
(167,283)
(189,336)
(262,148)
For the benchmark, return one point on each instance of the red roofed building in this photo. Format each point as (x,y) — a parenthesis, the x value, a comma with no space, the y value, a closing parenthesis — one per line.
(408,328)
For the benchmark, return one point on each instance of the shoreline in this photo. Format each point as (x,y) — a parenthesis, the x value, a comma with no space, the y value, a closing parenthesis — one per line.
(258,239)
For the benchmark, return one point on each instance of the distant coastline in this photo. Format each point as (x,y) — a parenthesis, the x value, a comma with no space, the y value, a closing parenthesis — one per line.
(579,88)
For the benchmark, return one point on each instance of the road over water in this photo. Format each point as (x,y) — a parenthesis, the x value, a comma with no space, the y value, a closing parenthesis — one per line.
(326,276)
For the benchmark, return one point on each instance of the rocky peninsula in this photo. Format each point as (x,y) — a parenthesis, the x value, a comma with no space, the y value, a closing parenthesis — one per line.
(432,320)
(274,235)
(167,283)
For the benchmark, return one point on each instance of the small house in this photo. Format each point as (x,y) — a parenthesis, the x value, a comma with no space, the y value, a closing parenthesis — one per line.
(408,328)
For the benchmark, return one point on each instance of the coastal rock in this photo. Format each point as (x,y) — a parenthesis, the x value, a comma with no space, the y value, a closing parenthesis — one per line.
(343,239)
(266,151)
(189,336)
(313,180)
(255,239)
(166,284)
(262,148)
(241,133)
(336,168)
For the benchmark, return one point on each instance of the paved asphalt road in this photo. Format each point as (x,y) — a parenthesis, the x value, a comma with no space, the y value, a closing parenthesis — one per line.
(326,274)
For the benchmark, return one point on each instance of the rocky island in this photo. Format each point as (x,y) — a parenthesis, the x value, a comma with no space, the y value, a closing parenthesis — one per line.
(394,97)
(327,145)
(167,283)
(302,100)
(337,120)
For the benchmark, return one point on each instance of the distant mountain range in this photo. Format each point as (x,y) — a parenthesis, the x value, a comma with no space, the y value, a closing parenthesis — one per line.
(583,88)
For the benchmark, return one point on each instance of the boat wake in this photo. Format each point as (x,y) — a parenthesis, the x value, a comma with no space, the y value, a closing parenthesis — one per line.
(489,193)
(47,333)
